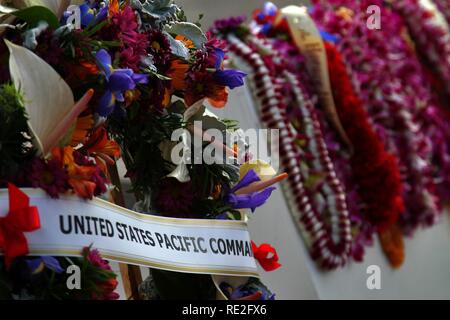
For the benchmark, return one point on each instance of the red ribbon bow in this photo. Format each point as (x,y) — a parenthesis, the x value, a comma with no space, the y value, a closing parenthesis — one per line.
(21,218)
(267,256)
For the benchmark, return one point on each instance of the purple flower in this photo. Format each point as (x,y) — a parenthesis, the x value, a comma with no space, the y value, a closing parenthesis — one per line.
(89,15)
(228,24)
(253,290)
(251,200)
(49,176)
(175,199)
(227,78)
(38,265)
(118,81)
(94,257)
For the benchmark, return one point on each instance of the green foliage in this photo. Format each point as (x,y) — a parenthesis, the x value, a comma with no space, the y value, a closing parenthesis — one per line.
(211,208)
(140,137)
(156,13)
(207,177)
(19,282)
(189,30)
(33,15)
(15,143)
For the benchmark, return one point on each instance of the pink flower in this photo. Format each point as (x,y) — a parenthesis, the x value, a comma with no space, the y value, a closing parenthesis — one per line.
(49,176)
(96,259)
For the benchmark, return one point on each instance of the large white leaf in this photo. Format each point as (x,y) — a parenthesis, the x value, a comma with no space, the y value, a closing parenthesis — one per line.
(48,98)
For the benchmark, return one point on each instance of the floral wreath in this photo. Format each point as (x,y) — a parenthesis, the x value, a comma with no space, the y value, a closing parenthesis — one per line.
(139,71)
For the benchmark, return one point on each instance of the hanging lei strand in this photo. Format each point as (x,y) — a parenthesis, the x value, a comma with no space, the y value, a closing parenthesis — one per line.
(386,101)
(444,8)
(316,146)
(329,247)
(371,175)
(431,114)
(375,170)
(431,32)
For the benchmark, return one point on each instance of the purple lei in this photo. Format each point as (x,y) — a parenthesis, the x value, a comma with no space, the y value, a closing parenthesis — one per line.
(397,96)
(290,58)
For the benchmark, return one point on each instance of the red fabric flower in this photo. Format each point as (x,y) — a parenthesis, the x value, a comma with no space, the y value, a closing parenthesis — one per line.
(20,219)
(267,256)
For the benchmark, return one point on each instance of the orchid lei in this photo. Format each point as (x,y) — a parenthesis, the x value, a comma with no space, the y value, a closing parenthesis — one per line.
(444,8)
(369,167)
(273,37)
(430,32)
(329,247)
(390,101)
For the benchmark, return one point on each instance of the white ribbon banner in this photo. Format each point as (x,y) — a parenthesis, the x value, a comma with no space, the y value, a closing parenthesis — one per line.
(69,224)
(307,37)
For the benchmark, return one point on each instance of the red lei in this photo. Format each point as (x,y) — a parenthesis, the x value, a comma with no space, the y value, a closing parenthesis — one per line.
(374,168)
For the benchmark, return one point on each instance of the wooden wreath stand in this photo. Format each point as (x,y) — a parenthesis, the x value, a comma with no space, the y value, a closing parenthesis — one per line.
(131,275)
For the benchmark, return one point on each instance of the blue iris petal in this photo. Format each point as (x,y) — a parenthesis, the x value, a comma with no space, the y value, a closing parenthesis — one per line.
(106,104)
(270,9)
(220,56)
(121,81)
(118,81)
(266,28)
(102,14)
(87,15)
(230,78)
(249,201)
(247,180)
(104,60)
(140,78)
(261,15)
(52,264)
(119,96)
(34,264)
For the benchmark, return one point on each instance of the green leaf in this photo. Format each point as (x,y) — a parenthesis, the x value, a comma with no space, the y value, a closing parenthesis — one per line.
(178,47)
(190,31)
(33,15)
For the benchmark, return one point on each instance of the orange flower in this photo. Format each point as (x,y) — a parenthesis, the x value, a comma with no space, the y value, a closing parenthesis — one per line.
(81,71)
(114,7)
(84,124)
(219,97)
(393,246)
(177,72)
(167,97)
(102,149)
(202,86)
(79,176)
(188,43)
(131,96)
(217,191)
